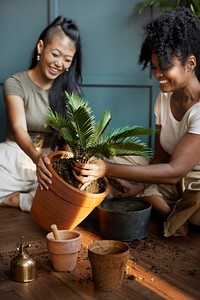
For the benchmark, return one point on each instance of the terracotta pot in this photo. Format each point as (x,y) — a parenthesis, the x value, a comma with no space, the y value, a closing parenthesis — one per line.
(108,261)
(62,204)
(64,252)
(124,219)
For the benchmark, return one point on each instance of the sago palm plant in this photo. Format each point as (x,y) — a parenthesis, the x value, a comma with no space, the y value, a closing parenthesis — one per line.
(87,138)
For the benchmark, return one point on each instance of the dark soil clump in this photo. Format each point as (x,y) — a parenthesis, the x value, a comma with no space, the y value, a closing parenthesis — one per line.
(63,168)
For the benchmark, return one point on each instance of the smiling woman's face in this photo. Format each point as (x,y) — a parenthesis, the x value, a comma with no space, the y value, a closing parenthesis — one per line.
(56,56)
(172,79)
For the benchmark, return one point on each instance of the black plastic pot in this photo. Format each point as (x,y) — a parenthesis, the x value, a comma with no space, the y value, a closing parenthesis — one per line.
(124,219)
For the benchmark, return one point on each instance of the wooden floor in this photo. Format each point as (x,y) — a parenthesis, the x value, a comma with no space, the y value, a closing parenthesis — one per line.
(158,268)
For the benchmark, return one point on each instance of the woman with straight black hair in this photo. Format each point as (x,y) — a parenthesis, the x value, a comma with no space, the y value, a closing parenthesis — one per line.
(55,68)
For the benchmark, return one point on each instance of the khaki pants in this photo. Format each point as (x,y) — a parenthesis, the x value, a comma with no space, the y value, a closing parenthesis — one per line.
(187,207)
(186,195)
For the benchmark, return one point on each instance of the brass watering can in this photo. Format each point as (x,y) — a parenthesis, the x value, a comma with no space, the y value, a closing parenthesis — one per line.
(23,267)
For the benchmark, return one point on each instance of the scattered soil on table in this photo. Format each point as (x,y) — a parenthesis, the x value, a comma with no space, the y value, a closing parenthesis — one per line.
(162,255)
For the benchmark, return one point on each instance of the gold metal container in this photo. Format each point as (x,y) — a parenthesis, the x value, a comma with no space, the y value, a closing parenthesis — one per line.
(23,267)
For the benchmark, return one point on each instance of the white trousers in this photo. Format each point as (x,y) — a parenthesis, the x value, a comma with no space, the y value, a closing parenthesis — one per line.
(17,174)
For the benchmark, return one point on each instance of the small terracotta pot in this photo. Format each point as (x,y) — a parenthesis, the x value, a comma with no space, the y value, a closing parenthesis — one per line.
(64,252)
(108,261)
(63,204)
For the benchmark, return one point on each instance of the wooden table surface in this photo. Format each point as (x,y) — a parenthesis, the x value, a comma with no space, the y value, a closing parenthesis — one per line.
(147,276)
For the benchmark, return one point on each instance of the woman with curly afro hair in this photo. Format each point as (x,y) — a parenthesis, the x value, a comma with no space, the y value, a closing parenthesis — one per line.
(171,181)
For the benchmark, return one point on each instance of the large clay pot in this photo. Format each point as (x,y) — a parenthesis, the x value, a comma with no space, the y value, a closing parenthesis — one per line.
(62,204)
(108,261)
(124,219)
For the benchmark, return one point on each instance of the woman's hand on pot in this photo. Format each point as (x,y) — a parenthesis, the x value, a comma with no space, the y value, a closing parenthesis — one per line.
(43,174)
(89,171)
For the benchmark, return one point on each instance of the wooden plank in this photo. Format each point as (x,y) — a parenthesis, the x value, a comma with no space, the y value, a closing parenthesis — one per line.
(158,268)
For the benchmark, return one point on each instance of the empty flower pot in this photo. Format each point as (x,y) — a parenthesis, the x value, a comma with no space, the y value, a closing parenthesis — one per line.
(124,219)
(64,252)
(108,261)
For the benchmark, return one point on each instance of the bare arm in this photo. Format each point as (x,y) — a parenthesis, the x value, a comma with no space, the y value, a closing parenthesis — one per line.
(184,158)
(17,119)
(160,156)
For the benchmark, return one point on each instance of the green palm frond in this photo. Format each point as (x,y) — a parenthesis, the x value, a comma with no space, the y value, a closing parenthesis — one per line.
(67,135)
(102,124)
(108,150)
(62,124)
(87,138)
(193,5)
(141,6)
(84,120)
(84,126)
(131,148)
(55,120)
(127,132)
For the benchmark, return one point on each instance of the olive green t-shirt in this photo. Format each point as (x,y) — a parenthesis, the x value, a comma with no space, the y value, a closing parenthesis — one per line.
(36,102)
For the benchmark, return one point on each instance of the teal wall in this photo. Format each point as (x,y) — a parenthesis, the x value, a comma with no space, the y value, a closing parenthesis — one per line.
(111,37)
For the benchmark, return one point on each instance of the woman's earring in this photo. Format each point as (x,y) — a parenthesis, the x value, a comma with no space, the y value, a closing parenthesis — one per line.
(66,70)
(38,57)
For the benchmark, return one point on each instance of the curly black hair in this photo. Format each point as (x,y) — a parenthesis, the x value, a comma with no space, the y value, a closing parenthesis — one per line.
(172,34)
